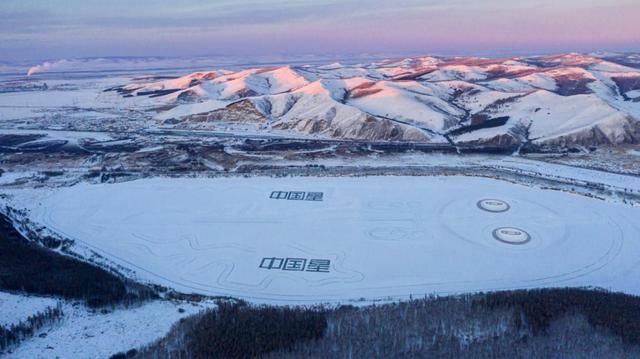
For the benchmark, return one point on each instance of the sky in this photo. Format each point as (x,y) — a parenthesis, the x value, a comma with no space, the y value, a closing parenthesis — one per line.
(55,29)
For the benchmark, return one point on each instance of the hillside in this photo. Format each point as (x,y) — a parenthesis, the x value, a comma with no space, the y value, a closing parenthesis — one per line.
(563,100)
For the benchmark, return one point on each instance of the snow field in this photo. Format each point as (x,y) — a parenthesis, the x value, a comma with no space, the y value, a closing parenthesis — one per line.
(16,308)
(379,237)
(104,334)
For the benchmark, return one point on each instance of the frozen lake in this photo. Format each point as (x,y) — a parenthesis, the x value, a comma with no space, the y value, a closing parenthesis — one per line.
(305,240)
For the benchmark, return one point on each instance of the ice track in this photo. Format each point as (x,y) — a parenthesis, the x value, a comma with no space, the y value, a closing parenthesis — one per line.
(383,236)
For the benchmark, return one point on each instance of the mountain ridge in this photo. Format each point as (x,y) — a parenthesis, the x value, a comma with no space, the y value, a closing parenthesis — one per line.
(567,99)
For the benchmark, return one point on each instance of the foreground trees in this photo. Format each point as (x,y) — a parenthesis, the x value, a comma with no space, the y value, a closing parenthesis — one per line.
(550,323)
(28,267)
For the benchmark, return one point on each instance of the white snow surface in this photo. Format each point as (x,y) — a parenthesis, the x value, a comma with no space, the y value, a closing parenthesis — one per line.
(552,116)
(385,237)
(61,134)
(15,308)
(406,102)
(84,333)
(633,94)
(190,109)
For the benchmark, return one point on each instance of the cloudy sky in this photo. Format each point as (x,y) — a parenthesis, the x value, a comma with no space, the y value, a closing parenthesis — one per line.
(50,29)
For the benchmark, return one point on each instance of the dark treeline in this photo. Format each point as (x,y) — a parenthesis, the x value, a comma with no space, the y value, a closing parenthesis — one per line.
(235,330)
(15,333)
(616,312)
(28,267)
(545,323)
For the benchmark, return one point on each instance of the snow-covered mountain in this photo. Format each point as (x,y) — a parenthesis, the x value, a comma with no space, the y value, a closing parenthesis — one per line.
(570,99)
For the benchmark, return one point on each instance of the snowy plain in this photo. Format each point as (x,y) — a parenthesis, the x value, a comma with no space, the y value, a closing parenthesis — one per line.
(384,237)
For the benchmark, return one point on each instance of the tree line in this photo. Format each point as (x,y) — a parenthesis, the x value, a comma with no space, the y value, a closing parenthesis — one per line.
(15,333)
(542,323)
(28,267)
